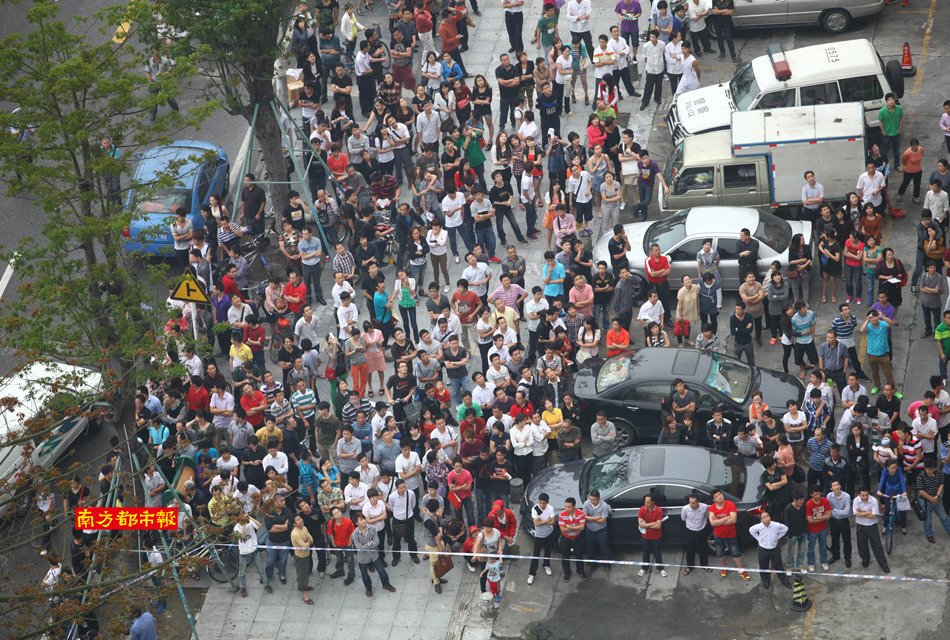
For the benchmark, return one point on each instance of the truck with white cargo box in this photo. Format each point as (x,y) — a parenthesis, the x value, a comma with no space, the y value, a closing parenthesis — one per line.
(760,161)
(831,73)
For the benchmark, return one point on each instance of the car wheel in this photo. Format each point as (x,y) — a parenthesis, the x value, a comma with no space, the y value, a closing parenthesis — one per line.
(711,543)
(626,433)
(895,77)
(638,287)
(836,21)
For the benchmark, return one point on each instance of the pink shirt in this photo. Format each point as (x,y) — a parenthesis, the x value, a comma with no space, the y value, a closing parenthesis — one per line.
(587,293)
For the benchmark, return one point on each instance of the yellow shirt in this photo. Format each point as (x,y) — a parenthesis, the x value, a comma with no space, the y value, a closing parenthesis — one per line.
(264,435)
(240,355)
(552,418)
(301,538)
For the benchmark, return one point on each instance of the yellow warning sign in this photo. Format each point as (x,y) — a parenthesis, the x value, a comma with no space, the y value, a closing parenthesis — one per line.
(189,290)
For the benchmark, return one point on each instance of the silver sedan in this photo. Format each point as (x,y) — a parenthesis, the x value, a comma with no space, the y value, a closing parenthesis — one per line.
(681,237)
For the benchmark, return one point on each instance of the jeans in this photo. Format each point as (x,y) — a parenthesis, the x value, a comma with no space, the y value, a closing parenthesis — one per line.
(409,324)
(500,214)
(246,559)
(311,279)
(872,283)
(840,531)
(486,237)
(748,349)
(459,386)
(800,287)
(696,542)
(380,570)
(344,556)
(598,545)
(531,217)
(645,194)
(468,509)
(545,545)
(852,279)
(821,538)
(276,557)
(576,548)
(454,232)
(795,551)
(894,142)
(483,503)
(941,515)
(602,315)
(652,548)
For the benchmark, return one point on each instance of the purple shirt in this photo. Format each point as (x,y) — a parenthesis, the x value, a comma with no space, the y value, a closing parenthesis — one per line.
(628,26)
(648,171)
(887,312)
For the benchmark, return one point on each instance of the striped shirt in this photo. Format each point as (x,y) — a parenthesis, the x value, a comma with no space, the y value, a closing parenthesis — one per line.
(306,397)
(565,519)
(909,451)
(929,483)
(844,329)
(509,296)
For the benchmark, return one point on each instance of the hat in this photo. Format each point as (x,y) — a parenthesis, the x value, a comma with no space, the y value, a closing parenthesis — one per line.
(498,505)
(551,131)
(885,442)
(472,530)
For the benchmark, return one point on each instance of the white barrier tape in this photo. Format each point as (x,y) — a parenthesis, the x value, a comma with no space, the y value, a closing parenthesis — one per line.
(623,563)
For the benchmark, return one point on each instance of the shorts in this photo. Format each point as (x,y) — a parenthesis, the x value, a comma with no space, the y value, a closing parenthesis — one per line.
(724,544)
(585,211)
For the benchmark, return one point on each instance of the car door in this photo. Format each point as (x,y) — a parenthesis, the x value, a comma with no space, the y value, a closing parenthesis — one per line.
(683,259)
(740,185)
(757,13)
(823,93)
(219,183)
(709,399)
(648,399)
(694,187)
(729,261)
(675,497)
(623,524)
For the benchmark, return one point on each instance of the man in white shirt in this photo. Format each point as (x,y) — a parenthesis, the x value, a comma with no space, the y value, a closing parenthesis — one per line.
(620,49)
(427,126)
(409,467)
(346,315)
(276,459)
(354,494)
(544,519)
(483,392)
(604,61)
(925,428)
(695,515)
(651,311)
(514,23)
(653,53)
(698,11)
(579,12)
(246,533)
(870,185)
(937,201)
(340,285)
(768,534)
(447,436)
(478,275)
(365,82)
(867,513)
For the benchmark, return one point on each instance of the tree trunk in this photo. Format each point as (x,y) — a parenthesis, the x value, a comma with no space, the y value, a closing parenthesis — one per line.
(269,139)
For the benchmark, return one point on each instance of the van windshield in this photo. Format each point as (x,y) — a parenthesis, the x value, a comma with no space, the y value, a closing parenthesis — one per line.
(674,164)
(744,88)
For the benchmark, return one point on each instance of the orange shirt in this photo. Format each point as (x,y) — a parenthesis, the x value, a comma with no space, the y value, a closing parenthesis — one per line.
(617,337)
(911,160)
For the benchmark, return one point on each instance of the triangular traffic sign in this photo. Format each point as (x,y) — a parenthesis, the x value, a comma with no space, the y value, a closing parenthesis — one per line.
(189,290)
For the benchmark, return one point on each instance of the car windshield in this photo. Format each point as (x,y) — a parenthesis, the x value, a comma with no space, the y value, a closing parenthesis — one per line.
(163,200)
(731,377)
(667,233)
(674,164)
(609,473)
(744,88)
(614,371)
(774,232)
(728,473)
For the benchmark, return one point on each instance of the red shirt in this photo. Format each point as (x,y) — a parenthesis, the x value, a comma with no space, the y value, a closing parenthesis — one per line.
(618,337)
(521,410)
(340,533)
(197,398)
(460,478)
(656,264)
(815,510)
(726,530)
(251,402)
(509,528)
(651,515)
(855,248)
(254,334)
(296,291)
(478,425)
(466,304)
(337,164)
(230,287)
(565,519)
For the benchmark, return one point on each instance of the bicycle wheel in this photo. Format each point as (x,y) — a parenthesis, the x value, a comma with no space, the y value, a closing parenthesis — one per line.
(387,59)
(227,570)
(276,342)
(888,539)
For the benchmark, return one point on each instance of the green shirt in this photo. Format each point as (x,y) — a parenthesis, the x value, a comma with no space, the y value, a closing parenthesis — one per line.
(548,28)
(891,120)
(942,335)
(608,112)
(473,153)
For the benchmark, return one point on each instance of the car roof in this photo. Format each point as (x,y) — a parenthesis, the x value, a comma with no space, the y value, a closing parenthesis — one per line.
(35,385)
(710,146)
(670,463)
(656,363)
(820,63)
(720,221)
(187,152)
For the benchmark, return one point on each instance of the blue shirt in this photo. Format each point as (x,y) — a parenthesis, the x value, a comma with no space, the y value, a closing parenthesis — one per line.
(144,628)
(332,43)
(309,246)
(383,313)
(892,485)
(944,452)
(553,289)
(817,453)
(878,342)
(801,323)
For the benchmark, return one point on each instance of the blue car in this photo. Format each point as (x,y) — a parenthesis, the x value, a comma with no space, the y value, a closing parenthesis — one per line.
(150,232)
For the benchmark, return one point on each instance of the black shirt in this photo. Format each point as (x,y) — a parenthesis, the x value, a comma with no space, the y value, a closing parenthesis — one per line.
(448,356)
(741,330)
(362,254)
(481,471)
(753,246)
(511,73)
(399,387)
(253,198)
(283,517)
(500,194)
(368,285)
(502,487)
(291,444)
(295,215)
(889,407)
(288,356)
(720,19)
(450,173)
(254,474)
(614,247)
(398,350)
(603,297)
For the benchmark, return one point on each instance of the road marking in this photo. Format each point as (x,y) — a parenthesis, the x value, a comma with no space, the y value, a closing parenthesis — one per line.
(809,626)
(925,45)
(5,279)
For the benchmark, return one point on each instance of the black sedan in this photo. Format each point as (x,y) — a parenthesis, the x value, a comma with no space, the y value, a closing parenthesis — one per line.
(634,388)
(670,473)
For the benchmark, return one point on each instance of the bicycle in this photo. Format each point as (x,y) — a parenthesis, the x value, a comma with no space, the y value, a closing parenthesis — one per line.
(889,524)
(222,562)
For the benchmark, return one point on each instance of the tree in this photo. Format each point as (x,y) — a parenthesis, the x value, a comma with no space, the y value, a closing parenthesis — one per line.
(237,43)
(83,299)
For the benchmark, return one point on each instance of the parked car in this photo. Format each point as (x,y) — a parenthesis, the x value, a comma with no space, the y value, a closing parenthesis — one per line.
(834,16)
(44,389)
(681,236)
(633,388)
(202,168)
(670,473)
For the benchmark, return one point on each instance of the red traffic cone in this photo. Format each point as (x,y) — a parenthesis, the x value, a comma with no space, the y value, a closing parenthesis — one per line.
(907,62)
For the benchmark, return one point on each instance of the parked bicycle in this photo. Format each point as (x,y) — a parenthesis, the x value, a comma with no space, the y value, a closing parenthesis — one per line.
(349,53)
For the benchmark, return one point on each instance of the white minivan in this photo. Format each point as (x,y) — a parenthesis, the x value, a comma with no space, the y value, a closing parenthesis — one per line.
(71,395)
(849,71)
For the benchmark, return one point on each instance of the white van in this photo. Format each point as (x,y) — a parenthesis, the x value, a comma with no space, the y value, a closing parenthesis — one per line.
(44,387)
(849,71)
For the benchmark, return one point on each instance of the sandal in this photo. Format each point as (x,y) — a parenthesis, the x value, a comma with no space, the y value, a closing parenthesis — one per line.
(382,392)
(370,393)
(824,300)
(359,12)
(686,571)
(834,299)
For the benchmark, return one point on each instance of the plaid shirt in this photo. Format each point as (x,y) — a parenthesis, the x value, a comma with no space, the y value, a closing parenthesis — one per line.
(816,418)
(344,263)
(389,94)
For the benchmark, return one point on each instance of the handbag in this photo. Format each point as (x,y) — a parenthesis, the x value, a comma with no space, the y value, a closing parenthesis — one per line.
(330,373)
(903,503)
(902,273)
(400,528)
(681,328)
(443,565)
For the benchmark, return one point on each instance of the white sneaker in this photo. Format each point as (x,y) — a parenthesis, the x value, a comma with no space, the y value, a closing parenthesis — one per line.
(548,571)
(471,568)
(824,566)
(811,568)
(663,573)
(530,579)
(445,288)
(456,259)
(641,573)
(623,205)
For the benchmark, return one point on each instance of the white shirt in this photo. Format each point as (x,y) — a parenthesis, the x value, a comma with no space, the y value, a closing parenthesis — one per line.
(279,462)
(483,394)
(404,464)
(696,519)
(476,274)
(437,241)
(534,306)
(528,129)
(620,49)
(358,492)
(868,185)
(343,317)
(542,530)
(673,52)
(340,288)
(580,187)
(506,421)
(694,8)
(942,401)
(938,203)
(576,9)
(399,131)
(602,54)
(541,431)
(194,366)
(517,9)
(690,80)
(521,441)
(225,402)
(768,536)
(927,428)
(651,312)
(374,512)
(563,67)
(361,64)
(449,441)
(247,537)
(151,483)
(871,505)
(452,219)
(247,499)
